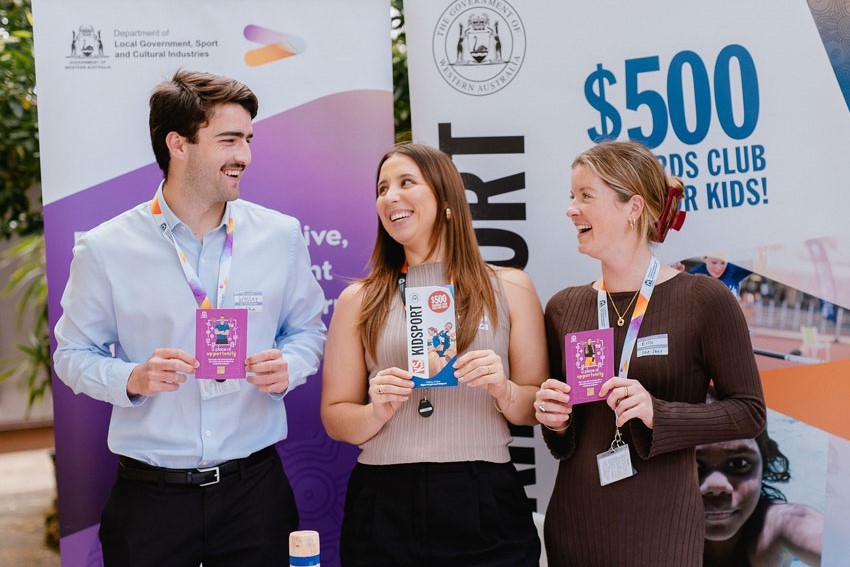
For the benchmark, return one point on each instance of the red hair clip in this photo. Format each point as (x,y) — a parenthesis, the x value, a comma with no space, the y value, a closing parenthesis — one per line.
(670,216)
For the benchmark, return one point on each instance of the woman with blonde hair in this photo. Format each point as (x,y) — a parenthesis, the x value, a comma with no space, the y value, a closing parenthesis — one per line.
(627,491)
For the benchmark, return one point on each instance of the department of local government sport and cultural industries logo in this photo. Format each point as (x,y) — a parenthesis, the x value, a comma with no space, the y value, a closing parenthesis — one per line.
(86,43)
(86,51)
(479,45)
(275,45)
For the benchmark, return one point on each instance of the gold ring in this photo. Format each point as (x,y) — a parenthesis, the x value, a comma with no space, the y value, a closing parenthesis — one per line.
(627,391)
(379,389)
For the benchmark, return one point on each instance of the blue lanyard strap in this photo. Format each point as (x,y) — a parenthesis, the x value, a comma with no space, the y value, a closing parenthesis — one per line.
(639,311)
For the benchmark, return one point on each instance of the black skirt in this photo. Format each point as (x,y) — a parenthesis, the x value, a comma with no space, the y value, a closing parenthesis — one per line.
(463,514)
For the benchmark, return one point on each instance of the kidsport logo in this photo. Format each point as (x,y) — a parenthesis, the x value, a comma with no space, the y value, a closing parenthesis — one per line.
(417,367)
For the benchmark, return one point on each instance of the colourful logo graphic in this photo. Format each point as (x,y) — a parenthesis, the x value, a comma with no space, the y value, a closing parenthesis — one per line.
(276,45)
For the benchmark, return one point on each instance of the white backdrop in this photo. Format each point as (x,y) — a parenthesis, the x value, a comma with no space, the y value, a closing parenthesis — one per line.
(740,99)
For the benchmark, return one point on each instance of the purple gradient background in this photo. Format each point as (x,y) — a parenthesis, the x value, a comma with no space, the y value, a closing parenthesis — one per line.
(315,162)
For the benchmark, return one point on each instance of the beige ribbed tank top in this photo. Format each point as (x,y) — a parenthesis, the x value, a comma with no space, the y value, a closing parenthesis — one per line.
(465,425)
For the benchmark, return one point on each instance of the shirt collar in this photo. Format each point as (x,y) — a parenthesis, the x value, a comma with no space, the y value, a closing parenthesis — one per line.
(174,221)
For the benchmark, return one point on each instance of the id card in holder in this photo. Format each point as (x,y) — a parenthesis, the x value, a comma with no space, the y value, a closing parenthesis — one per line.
(213,388)
(614,464)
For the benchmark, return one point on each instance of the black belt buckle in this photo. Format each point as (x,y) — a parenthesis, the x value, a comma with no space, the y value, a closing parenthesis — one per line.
(217,478)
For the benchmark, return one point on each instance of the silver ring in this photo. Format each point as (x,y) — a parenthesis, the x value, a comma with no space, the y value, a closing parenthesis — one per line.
(542,408)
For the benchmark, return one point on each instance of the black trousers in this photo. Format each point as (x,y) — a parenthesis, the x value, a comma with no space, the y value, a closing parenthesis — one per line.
(438,514)
(243,521)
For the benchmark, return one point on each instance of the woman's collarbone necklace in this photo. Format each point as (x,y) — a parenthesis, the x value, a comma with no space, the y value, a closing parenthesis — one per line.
(620,319)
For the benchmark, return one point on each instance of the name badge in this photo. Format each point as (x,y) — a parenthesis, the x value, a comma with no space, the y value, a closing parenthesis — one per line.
(250,300)
(615,464)
(656,345)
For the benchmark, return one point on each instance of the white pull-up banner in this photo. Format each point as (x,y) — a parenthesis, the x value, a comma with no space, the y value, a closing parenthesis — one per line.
(322,73)
(746,102)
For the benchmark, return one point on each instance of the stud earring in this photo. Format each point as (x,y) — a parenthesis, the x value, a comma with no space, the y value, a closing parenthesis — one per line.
(448,214)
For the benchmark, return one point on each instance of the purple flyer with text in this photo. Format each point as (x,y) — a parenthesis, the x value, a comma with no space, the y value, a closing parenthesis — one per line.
(221,337)
(589,362)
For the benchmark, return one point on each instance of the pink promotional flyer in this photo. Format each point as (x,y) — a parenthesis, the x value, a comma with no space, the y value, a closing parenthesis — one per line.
(589,363)
(221,337)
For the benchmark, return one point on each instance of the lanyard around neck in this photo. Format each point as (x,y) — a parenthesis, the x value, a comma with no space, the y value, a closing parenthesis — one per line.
(402,282)
(642,303)
(201,296)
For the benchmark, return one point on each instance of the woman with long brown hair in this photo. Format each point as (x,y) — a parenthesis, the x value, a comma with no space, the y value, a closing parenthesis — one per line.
(433,484)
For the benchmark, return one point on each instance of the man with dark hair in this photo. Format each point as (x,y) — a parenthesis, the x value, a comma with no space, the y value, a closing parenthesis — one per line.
(199,479)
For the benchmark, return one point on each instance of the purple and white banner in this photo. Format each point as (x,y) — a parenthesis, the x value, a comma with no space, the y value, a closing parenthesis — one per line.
(322,73)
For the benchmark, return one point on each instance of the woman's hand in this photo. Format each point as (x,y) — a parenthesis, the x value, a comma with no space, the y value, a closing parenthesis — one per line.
(552,405)
(483,369)
(629,399)
(388,389)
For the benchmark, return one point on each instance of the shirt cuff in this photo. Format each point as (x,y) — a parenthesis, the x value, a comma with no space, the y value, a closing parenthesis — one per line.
(298,374)
(561,446)
(119,376)
(642,436)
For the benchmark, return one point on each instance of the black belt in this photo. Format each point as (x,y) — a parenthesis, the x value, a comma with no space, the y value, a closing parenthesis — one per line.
(131,469)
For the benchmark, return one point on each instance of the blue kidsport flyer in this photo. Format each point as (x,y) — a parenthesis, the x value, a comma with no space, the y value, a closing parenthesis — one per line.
(431,340)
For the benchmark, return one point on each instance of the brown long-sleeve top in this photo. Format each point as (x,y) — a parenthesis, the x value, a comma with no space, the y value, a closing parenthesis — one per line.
(656,517)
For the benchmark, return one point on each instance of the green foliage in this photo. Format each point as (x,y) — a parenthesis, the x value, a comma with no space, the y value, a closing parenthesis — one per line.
(28,279)
(20,171)
(401,91)
(19,166)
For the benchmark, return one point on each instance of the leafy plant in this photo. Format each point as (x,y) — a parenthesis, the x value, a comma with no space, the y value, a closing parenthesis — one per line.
(29,280)
(20,173)
(401,90)
(19,166)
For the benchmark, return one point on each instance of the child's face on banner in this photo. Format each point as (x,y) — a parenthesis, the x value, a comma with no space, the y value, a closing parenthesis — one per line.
(730,475)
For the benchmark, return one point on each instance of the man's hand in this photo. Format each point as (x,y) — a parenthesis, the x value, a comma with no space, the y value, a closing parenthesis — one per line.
(164,371)
(271,371)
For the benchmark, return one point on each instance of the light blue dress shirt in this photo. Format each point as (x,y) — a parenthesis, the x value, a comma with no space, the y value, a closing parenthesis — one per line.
(127,293)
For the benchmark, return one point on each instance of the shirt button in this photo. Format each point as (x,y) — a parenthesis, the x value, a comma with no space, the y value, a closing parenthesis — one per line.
(203,260)
(204,463)
(208,433)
